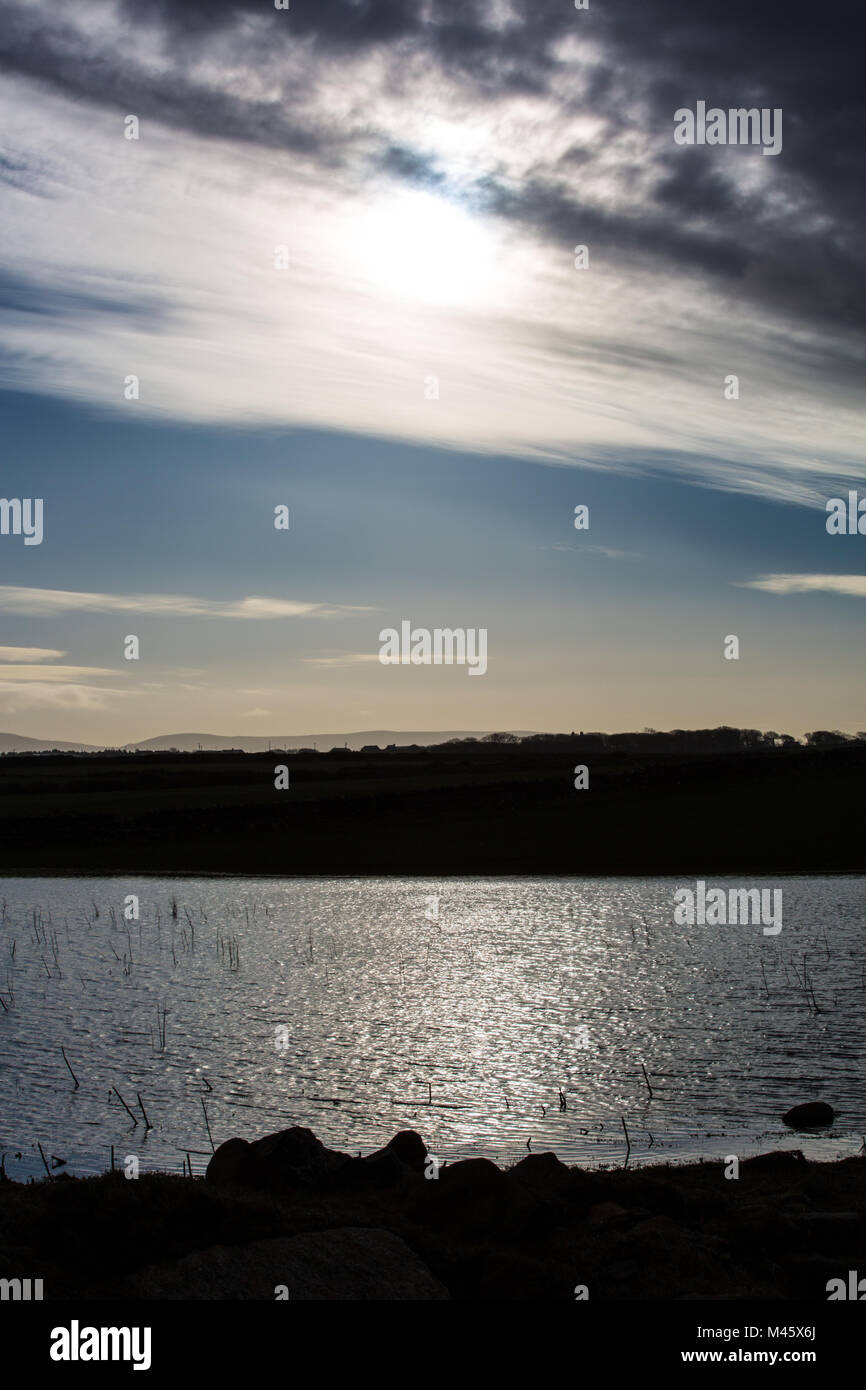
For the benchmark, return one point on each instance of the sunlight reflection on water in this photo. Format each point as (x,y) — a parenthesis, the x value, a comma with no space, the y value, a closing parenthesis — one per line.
(465,1027)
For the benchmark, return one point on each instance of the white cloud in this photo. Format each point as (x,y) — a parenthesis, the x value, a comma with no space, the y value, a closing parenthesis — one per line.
(852,585)
(48,602)
(347,659)
(26,654)
(21,674)
(179,235)
(604,550)
(16,698)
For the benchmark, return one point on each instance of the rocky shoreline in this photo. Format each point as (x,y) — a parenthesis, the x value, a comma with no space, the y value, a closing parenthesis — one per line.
(286,1217)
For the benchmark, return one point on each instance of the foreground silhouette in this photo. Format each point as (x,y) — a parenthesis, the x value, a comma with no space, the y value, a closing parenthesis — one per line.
(652,806)
(287,1213)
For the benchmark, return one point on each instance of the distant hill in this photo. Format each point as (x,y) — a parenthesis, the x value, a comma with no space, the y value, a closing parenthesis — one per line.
(189,743)
(19,743)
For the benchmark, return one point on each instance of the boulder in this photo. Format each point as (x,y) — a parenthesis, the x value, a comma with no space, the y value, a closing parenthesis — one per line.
(403,1156)
(296,1158)
(400,1162)
(604,1212)
(236,1163)
(762,1229)
(812,1115)
(831,1232)
(474,1180)
(623,1271)
(475,1198)
(409,1148)
(346,1263)
(544,1176)
(291,1158)
(777,1160)
(557,1192)
(499,1273)
(660,1195)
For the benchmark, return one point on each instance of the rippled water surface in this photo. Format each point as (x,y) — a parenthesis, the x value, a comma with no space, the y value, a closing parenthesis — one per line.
(348,1006)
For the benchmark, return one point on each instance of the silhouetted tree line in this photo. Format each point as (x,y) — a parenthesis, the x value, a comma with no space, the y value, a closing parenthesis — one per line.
(722,740)
(676,741)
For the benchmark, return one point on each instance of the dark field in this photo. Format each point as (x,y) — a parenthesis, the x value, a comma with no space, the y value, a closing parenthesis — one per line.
(447,810)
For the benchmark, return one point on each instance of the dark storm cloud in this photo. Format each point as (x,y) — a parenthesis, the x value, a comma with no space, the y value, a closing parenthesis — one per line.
(694,186)
(341,23)
(550,210)
(58,55)
(794,243)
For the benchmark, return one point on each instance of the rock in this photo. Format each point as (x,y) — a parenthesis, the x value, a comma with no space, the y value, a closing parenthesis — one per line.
(831,1232)
(603,1212)
(551,1189)
(829,1218)
(779,1158)
(500,1275)
(811,1115)
(401,1161)
(588,1188)
(473,1178)
(476,1198)
(236,1162)
(660,1196)
(652,1231)
(409,1148)
(818,1187)
(544,1176)
(377,1171)
(296,1158)
(349,1263)
(761,1228)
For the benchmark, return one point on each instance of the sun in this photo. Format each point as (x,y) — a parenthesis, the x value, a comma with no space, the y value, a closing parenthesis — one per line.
(421,247)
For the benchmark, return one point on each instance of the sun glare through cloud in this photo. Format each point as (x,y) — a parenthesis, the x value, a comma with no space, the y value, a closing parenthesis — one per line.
(418,246)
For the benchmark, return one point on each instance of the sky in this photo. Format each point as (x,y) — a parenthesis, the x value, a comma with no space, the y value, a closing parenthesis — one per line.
(336,272)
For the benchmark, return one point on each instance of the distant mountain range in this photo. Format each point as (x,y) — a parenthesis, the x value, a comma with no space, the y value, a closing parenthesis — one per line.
(19,743)
(189,743)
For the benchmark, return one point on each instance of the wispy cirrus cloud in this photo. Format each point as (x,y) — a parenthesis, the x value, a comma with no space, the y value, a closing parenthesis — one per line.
(607,551)
(21,674)
(29,654)
(17,698)
(343,659)
(33,678)
(350,130)
(852,585)
(36,603)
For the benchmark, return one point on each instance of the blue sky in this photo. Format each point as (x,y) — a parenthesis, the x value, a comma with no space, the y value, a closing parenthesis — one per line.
(618,626)
(338,259)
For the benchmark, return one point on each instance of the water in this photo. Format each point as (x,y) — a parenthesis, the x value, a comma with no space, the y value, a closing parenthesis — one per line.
(346,1006)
